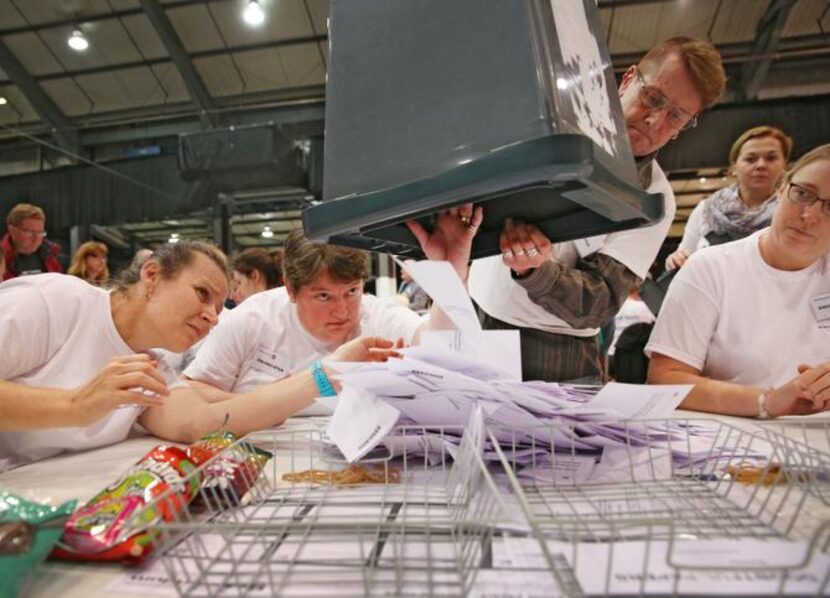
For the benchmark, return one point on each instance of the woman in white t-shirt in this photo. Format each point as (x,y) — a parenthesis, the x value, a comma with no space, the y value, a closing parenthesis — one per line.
(748,322)
(76,371)
(758,159)
(279,332)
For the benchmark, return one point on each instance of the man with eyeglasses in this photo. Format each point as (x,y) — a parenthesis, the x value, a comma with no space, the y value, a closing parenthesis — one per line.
(559,295)
(25,246)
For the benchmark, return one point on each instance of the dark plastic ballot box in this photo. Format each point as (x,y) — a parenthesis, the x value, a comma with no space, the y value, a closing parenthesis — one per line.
(508,104)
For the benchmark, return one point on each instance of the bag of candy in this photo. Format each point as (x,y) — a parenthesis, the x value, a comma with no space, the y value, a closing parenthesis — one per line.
(104,529)
(28,530)
(226,479)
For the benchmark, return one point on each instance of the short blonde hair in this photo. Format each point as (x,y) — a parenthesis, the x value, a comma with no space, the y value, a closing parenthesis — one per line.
(702,60)
(758,132)
(23,211)
(78,266)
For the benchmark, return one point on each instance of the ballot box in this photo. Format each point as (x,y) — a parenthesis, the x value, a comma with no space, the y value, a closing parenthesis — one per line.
(511,105)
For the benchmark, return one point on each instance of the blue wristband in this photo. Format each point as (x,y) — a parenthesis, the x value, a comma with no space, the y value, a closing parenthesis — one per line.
(321,380)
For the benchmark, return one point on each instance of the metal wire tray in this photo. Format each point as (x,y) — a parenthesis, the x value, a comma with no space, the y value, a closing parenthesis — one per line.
(471,521)
(643,528)
(424,530)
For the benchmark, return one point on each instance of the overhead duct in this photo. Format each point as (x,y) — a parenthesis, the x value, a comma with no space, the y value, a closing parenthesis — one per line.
(512,105)
(245,157)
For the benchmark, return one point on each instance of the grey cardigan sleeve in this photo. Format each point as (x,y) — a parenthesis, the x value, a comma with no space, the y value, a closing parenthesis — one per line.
(585,296)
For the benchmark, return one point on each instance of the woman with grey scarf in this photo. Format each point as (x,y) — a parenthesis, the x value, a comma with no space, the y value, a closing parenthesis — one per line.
(758,159)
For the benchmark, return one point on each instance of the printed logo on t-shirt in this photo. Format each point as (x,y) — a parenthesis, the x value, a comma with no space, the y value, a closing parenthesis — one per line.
(269,361)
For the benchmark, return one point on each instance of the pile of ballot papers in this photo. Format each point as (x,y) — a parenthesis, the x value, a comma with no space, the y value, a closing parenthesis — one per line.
(438,385)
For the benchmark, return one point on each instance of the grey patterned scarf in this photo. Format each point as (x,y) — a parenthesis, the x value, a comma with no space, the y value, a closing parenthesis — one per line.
(727,215)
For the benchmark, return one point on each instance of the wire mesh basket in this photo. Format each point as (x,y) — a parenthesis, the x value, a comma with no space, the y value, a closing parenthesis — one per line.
(672,508)
(396,524)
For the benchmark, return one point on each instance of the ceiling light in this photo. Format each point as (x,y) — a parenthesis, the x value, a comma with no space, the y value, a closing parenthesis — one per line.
(77,41)
(3,101)
(702,180)
(266,233)
(174,238)
(253,13)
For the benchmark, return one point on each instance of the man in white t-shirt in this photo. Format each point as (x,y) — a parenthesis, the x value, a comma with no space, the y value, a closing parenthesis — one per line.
(282,331)
(559,296)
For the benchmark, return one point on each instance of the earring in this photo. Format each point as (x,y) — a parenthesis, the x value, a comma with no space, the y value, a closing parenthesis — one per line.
(676,135)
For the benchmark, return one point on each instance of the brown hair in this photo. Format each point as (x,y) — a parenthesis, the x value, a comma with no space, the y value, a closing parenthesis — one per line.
(78,266)
(304,262)
(757,132)
(172,258)
(22,211)
(702,60)
(821,152)
(267,263)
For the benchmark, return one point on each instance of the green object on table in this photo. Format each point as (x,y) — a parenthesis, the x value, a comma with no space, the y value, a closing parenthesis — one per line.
(28,531)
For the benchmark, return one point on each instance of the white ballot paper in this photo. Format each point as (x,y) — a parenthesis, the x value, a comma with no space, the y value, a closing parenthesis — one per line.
(441,282)
(360,422)
(499,349)
(640,401)
(722,567)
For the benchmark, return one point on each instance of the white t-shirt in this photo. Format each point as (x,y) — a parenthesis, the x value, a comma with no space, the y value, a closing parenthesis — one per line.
(58,332)
(735,318)
(262,340)
(495,291)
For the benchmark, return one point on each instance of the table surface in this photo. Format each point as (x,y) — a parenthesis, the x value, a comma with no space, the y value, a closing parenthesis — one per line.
(81,475)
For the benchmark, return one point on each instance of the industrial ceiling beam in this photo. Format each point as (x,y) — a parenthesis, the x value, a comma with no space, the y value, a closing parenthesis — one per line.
(195,86)
(767,38)
(94,18)
(150,62)
(63,128)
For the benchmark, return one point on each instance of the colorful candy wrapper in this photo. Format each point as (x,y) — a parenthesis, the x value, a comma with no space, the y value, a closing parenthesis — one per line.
(105,528)
(28,530)
(226,479)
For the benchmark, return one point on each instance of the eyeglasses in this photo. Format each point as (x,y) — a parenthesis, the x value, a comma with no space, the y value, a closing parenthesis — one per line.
(32,234)
(806,198)
(656,101)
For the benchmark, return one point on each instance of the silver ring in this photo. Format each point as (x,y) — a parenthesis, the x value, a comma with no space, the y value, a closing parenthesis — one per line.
(532,252)
(465,220)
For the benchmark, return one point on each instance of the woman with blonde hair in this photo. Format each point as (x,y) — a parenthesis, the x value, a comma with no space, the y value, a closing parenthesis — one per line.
(90,263)
(757,159)
(748,322)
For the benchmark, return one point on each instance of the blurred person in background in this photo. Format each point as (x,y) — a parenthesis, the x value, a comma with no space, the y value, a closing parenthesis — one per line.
(25,247)
(90,263)
(255,270)
(758,159)
(411,294)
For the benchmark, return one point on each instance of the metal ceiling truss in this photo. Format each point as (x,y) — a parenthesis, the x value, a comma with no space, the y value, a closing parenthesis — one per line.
(151,62)
(106,16)
(767,39)
(65,134)
(195,86)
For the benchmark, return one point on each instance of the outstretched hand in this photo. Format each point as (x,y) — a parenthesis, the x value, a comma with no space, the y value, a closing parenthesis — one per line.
(368,348)
(452,237)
